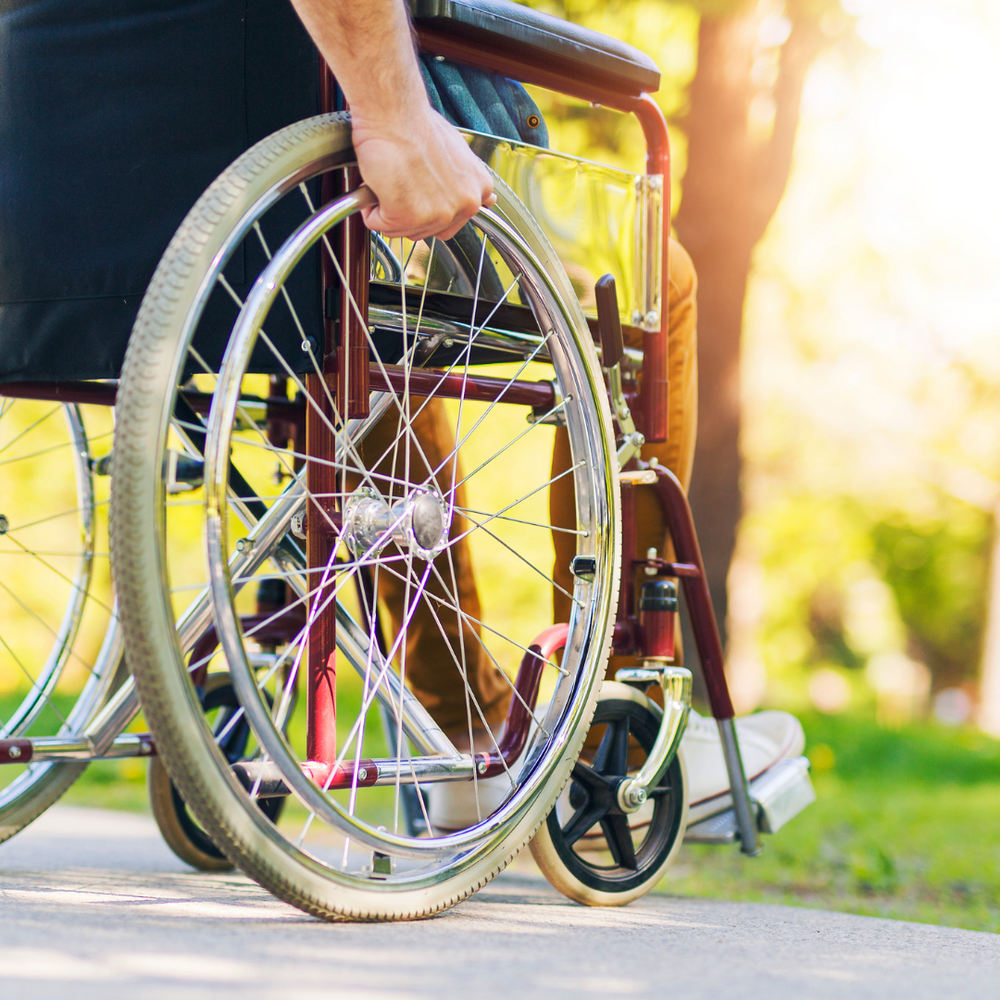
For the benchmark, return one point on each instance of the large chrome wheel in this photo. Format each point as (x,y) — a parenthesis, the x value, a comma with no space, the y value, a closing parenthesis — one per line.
(400,685)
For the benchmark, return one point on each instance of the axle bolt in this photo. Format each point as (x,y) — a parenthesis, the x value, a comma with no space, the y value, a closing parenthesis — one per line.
(481,767)
(635,797)
(14,753)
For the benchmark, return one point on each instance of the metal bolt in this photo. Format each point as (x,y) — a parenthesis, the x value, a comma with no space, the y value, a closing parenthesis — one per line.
(624,412)
(481,767)
(632,798)
(299,525)
(638,439)
(244,545)
(14,753)
(363,774)
(4,524)
(654,181)
(447,343)
(652,319)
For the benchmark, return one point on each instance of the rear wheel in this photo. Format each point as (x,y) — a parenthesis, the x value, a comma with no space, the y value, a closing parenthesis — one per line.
(442,475)
(59,642)
(182,832)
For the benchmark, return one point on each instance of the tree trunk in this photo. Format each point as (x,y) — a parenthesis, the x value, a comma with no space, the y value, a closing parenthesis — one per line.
(989,682)
(736,174)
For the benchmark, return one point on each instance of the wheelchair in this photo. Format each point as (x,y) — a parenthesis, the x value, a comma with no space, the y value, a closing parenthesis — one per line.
(318,433)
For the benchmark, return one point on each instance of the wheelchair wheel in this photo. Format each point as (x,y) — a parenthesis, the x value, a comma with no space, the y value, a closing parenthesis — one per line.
(59,641)
(434,470)
(588,848)
(181,831)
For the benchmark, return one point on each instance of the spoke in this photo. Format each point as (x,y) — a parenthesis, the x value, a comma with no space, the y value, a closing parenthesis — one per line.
(54,517)
(503,673)
(604,750)
(363,325)
(529,563)
(581,821)
(32,681)
(617,764)
(586,775)
(451,368)
(35,454)
(328,463)
(517,520)
(510,506)
(538,423)
(48,628)
(475,621)
(62,576)
(618,834)
(60,555)
(29,428)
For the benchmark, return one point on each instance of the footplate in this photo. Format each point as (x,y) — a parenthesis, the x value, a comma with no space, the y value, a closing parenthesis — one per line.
(778,795)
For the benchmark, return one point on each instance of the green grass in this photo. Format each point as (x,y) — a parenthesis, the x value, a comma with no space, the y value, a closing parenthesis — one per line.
(905,826)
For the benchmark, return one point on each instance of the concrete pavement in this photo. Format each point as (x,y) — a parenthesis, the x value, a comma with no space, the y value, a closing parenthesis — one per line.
(93,905)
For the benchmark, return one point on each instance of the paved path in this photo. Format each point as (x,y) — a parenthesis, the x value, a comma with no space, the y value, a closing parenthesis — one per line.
(93,905)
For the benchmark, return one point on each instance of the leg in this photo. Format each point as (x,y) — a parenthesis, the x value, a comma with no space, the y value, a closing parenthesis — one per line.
(431,656)
(676,453)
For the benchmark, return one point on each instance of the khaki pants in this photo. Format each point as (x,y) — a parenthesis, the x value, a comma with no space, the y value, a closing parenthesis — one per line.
(430,664)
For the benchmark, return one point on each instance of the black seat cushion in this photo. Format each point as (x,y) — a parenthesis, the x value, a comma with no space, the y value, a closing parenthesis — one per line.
(520,31)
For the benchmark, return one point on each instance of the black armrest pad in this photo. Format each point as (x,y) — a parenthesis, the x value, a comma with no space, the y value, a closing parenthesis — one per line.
(524,32)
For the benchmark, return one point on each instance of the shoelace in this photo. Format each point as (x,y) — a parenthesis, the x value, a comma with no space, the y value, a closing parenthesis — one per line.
(702,725)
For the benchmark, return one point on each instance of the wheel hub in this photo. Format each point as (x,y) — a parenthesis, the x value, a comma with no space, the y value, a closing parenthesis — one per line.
(418,522)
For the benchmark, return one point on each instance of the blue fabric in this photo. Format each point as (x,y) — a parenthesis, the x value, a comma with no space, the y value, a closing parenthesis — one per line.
(483,102)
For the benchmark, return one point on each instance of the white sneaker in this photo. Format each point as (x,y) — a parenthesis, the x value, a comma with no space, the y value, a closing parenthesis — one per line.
(764,738)
(451,805)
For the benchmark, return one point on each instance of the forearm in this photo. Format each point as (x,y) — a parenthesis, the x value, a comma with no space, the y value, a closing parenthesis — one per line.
(427,180)
(368,46)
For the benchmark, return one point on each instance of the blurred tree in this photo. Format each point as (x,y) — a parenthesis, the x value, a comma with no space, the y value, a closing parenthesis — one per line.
(938,571)
(744,111)
(739,115)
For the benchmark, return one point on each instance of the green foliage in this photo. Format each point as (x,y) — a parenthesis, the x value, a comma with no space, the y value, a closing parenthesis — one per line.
(917,754)
(903,828)
(938,569)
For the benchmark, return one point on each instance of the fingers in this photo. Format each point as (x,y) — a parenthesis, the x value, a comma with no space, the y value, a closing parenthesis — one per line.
(427,180)
(415,224)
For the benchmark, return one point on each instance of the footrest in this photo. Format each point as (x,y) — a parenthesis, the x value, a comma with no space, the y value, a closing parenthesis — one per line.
(778,795)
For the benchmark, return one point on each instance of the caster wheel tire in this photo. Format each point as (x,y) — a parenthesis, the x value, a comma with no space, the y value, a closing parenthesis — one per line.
(588,848)
(182,833)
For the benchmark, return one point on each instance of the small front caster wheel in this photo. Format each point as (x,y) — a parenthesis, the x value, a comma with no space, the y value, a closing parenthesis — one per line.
(177,826)
(588,848)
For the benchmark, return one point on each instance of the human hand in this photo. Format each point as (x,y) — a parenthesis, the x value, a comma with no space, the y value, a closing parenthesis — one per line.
(427,180)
